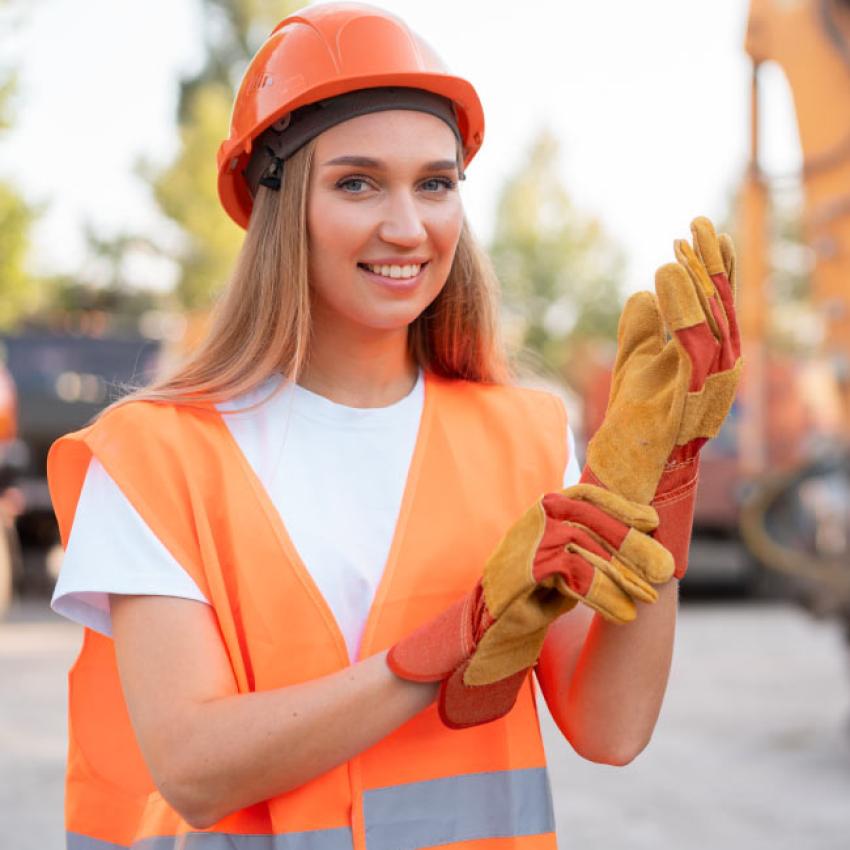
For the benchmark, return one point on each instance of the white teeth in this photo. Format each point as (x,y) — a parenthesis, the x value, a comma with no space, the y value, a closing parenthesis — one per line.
(395,271)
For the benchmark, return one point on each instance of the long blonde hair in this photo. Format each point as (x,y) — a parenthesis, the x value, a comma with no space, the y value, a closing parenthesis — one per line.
(261,323)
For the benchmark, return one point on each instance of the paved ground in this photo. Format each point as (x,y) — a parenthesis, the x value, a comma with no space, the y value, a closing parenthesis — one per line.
(752,751)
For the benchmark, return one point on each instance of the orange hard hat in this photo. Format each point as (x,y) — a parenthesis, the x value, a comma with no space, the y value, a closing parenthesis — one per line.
(324,51)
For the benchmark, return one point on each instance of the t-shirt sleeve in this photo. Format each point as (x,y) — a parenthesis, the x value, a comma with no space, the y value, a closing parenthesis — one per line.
(111,549)
(572,471)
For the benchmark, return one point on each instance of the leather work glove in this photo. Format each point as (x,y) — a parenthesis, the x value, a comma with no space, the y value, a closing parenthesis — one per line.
(670,394)
(581,544)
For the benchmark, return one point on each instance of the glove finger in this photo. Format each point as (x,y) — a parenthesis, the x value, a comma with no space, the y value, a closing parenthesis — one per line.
(707,245)
(637,557)
(603,595)
(607,528)
(549,556)
(619,574)
(713,255)
(581,573)
(646,557)
(717,254)
(618,523)
(705,267)
(686,318)
(727,251)
(702,283)
(633,514)
(727,289)
(585,524)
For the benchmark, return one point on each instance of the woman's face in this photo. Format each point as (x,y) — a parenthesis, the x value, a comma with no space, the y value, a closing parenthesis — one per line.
(383,216)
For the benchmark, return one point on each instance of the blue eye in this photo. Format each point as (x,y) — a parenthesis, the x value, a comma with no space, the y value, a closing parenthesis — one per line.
(348,181)
(443,183)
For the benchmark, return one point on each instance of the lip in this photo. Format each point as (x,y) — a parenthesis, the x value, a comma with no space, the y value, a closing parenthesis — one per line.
(397,261)
(395,283)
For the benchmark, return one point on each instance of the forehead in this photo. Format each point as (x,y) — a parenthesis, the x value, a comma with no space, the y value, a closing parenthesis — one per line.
(393,133)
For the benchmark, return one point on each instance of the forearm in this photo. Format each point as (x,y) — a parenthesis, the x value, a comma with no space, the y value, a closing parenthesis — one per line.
(616,692)
(249,747)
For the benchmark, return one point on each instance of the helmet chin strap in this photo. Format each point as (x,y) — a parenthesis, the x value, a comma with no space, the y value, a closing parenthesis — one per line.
(279,141)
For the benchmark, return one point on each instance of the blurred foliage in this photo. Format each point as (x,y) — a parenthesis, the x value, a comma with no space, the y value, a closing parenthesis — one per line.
(795,323)
(186,189)
(561,275)
(19,291)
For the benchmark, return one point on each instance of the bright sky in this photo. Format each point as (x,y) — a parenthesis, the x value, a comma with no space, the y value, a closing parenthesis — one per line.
(650,100)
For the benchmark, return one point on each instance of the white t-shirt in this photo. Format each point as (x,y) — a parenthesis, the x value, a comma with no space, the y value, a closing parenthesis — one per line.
(316,459)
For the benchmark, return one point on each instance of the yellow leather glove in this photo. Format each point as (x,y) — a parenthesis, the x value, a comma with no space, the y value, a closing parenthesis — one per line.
(582,544)
(677,370)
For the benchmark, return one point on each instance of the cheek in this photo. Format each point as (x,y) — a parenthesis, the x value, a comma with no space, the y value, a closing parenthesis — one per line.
(335,227)
(447,227)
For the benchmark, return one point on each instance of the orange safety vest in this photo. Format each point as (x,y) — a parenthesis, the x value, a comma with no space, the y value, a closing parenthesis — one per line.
(483,455)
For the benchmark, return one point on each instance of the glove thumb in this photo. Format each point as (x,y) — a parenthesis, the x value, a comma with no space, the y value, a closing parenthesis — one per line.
(641,328)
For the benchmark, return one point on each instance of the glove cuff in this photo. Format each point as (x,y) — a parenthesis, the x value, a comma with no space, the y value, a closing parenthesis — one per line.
(441,650)
(674,501)
(462,705)
(431,652)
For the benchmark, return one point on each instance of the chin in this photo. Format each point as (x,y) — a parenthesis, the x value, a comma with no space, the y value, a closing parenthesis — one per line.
(392,317)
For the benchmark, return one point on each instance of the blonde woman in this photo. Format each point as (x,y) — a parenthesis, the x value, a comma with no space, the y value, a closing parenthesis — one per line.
(277,551)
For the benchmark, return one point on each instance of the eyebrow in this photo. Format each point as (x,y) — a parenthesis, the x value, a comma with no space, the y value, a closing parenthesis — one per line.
(369,162)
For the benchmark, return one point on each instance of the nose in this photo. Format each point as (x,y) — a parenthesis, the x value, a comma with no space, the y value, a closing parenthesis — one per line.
(403,223)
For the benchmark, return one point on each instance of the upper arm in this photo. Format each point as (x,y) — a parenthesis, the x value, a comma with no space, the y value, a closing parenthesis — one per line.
(110,549)
(559,659)
(171,658)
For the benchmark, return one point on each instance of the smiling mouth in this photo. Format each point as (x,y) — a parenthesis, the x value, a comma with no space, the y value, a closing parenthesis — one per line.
(394,272)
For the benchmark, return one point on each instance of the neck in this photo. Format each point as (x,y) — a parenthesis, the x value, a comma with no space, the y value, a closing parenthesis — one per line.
(359,369)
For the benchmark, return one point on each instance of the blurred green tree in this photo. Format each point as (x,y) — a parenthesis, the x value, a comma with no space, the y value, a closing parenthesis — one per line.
(796,321)
(186,189)
(98,298)
(19,290)
(561,275)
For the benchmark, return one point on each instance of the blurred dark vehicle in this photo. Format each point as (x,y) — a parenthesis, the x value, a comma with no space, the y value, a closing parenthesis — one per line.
(61,382)
(12,460)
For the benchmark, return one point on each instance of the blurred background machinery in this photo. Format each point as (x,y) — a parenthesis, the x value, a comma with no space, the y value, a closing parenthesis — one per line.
(773,513)
(796,515)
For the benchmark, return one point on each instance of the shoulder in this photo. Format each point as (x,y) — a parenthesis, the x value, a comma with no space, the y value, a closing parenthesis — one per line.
(144,426)
(146,433)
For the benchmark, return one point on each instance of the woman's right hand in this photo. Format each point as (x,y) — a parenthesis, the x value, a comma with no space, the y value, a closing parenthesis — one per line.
(582,544)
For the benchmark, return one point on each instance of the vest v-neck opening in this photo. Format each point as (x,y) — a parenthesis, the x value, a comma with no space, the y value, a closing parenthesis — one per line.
(292,554)
(317,408)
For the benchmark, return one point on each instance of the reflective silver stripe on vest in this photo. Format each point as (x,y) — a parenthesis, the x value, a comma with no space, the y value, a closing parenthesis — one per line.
(500,804)
(75,841)
(459,808)
(318,839)
(315,839)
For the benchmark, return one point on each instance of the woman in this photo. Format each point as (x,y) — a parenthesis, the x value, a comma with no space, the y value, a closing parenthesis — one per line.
(247,539)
